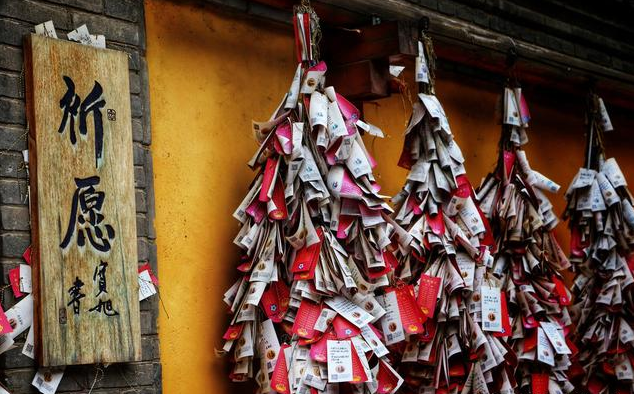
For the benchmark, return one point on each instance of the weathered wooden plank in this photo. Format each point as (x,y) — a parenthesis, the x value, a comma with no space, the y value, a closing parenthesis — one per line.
(361,81)
(82,204)
(368,42)
(455,38)
(477,47)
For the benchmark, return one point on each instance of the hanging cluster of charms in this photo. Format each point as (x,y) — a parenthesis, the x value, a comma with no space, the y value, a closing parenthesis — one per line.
(601,220)
(461,346)
(456,290)
(316,241)
(529,259)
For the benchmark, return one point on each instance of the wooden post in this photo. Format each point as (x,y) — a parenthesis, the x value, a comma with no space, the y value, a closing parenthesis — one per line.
(83,219)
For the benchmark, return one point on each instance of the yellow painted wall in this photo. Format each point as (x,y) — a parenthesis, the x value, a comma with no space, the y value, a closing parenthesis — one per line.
(210,74)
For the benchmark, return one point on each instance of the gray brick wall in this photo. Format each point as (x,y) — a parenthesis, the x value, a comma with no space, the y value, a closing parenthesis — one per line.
(122,22)
(599,32)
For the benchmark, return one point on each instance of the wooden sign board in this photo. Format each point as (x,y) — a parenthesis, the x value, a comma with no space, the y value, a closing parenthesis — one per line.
(85,280)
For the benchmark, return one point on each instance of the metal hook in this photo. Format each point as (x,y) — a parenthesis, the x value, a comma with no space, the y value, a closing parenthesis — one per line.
(423,24)
(511,57)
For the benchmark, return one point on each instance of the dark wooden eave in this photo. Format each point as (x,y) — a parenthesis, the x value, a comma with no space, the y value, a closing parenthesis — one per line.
(465,44)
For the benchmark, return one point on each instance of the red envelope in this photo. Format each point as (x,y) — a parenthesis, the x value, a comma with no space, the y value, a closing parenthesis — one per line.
(525,114)
(436,223)
(358,373)
(306,258)
(427,294)
(576,244)
(573,347)
(457,368)
(429,331)
(595,386)
(257,210)
(509,161)
(344,329)
(560,288)
(506,321)
(27,255)
(279,379)
(414,205)
(348,110)
(412,317)
(386,379)
(307,315)
(390,259)
(268,179)
(277,205)
(275,300)
(233,332)
(529,322)
(142,268)
(319,349)
(539,383)
(331,152)
(405,160)
(5,326)
(530,341)
(345,223)
(284,133)
(14,278)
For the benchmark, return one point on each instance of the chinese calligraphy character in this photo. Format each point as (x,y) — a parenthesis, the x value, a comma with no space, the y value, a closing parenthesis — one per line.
(72,106)
(105,307)
(100,273)
(86,217)
(76,295)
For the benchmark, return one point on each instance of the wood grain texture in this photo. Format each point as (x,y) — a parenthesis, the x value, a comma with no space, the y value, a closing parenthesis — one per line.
(89,336)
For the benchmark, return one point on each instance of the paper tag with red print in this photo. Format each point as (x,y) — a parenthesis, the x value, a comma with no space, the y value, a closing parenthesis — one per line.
(307,315)
(428,294)
(279,379)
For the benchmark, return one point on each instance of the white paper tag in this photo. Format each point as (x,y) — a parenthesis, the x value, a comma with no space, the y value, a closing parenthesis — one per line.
(318,111)
(46,380)
(374,341)
(391,324)
(511,109)
(555,337)
(606,123)
(324,319)
(545,352)
(467,268)
(146,287)
(336,124)
(612,170)
(491,308)
(293,91)
(607,190)
(25,278)
(395,71)
(20,316)
(339,361)
(81,35)
(471,217)
(351,312)
(421,71)
(623,368)
(29,345)
(46,29)
(5,342)
(270,345)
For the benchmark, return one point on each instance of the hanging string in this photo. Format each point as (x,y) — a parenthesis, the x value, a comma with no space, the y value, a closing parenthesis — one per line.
(594,138)
(315,29)
(430,56)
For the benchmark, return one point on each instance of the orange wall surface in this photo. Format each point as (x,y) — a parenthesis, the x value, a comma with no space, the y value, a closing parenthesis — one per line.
(210,74)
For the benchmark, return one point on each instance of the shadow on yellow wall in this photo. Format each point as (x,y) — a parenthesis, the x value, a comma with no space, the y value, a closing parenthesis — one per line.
(210,74)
